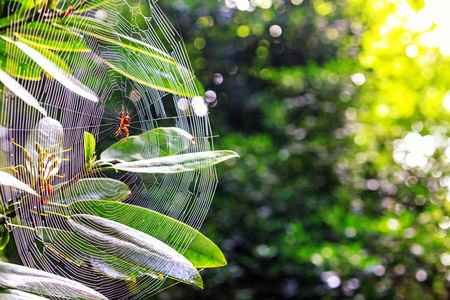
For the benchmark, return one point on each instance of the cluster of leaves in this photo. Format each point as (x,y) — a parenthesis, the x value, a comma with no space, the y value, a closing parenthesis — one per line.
(95,233)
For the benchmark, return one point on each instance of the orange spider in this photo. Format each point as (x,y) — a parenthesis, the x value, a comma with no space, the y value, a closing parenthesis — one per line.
(124,123)
(67,12)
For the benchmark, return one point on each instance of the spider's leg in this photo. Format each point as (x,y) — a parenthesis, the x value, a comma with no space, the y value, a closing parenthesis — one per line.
(117,132)
(80,4)
(128,134)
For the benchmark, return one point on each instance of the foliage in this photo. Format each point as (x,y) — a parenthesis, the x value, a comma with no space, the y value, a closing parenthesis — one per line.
(35,39)
(341,120)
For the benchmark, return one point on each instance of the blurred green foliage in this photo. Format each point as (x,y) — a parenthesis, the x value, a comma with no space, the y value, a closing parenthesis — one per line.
(339,111)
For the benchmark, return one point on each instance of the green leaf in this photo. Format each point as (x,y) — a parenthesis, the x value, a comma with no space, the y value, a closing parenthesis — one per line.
(20,69)
(18,64)
(201,252)
(90,5)
(4,236)
(109,36)
(173,79)
(9,180)
(56,67)
(11,294)
(55,43)
(89,147)
(40,282)
(162,141)
(86,5)
(29,50)
(177,163)
(71,247)
(47,36)
(92,189)
(134,247)
(21,92)
(13,19)
(143,63)
(26,4)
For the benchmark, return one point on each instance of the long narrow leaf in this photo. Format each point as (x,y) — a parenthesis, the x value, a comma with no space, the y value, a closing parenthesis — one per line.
(17,64)
(74,249)
(134,247)
(102,31)
(201,252)
(9,180)
(55,71)
(40,282)
(53,44)
(22,55)
(144,63)
(177,163)
(10,294)
(21,92)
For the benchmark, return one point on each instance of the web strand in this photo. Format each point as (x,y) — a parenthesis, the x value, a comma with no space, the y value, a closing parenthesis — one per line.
(185,197)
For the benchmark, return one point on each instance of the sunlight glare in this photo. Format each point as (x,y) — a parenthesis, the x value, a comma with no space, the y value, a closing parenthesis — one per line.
(414,150)
(435,12)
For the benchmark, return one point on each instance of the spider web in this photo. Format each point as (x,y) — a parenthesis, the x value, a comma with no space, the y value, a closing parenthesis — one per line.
(185,197)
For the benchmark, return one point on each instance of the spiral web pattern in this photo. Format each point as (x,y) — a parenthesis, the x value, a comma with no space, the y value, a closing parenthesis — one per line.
(185,197)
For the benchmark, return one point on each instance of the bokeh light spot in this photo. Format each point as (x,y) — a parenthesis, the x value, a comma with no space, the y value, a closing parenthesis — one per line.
(393,224)
(317,259)
(382,110)
(199,43)
(275,30)
(243,31)
(379,270)
(210,96)
(445,259)
(332,34)
(421,275)
(412,51)
(358,78)
(333,281)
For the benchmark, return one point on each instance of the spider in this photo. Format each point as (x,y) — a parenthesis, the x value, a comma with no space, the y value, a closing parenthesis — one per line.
(65,13)
(124,123)
(62,13)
